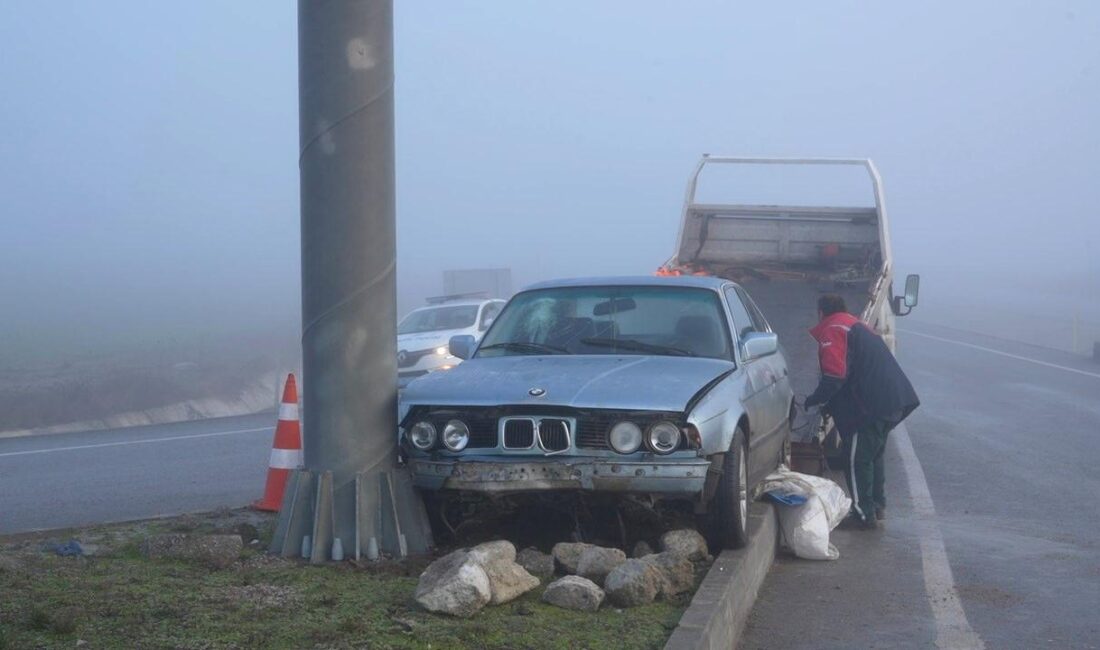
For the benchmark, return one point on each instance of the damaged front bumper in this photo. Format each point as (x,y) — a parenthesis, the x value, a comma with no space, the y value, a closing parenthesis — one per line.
(684,477)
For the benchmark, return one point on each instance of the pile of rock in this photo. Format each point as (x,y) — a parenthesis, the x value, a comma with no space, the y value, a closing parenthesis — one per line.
(463,582)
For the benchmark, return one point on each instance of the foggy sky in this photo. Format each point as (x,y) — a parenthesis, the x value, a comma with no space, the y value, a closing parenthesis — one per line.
(148,171)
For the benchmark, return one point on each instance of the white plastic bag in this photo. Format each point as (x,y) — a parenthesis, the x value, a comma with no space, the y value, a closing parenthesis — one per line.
(806,527)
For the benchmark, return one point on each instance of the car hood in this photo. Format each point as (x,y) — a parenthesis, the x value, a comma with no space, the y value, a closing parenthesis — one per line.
(424,340)
(652,383)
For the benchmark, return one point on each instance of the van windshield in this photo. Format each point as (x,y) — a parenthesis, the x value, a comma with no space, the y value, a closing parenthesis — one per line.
(646,320)
(435,319)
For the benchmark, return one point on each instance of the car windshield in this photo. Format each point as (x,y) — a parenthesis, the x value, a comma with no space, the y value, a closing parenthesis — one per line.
(670,321)
(434,319)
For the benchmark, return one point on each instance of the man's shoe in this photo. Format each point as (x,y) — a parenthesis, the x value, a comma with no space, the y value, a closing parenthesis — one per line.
(851,522)
(880,512)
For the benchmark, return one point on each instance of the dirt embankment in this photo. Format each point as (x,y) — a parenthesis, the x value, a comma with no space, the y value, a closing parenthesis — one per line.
(109,393)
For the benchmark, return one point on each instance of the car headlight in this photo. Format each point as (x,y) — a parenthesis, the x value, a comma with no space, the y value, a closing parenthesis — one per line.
(625,437)
(422,435)
(664,437)
(456,435)
(442,350)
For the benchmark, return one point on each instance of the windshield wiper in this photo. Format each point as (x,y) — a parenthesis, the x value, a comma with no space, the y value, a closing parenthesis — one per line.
(639,346)
(525,346)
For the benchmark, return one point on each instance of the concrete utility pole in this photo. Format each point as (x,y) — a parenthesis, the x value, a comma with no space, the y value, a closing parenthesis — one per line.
(349,499)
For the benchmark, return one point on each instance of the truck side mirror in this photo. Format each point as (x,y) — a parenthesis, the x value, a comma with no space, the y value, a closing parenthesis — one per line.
(909,299)
(912,288)
(462,346)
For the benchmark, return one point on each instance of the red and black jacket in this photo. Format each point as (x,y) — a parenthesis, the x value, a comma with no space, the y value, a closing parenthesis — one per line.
(860,378)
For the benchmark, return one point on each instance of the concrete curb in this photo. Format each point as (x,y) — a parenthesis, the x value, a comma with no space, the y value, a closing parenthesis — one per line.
(721,605)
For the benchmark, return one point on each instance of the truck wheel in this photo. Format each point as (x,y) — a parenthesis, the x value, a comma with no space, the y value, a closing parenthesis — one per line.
(732,500)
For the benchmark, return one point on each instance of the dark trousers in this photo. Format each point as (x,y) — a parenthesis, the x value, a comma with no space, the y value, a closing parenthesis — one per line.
(866,475)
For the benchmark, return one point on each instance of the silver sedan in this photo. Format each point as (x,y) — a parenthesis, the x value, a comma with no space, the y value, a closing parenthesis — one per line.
(673,388)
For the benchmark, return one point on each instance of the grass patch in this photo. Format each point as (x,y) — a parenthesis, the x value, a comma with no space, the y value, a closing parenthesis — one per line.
(122,600)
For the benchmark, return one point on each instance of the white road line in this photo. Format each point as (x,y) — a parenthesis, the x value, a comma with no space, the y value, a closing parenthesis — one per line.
(132,442)
(1005,354)
(952,628)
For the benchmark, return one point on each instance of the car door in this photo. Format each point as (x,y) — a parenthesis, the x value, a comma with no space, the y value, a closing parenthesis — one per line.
(781,393)
(761,405)
(756,399)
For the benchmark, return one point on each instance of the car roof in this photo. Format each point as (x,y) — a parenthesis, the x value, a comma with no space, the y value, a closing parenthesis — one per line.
(696,281)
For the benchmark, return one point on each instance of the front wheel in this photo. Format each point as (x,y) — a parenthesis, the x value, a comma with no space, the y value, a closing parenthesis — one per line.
(731,511)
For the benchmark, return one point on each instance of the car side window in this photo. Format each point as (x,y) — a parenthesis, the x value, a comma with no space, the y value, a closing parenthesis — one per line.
(742,321)
(488,315)
(760,324)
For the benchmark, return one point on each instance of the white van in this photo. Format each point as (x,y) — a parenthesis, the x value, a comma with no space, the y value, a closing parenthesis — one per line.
(423,334)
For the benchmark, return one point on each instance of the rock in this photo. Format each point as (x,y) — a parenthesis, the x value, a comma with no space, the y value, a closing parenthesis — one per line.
(567,554)
(216,551)
(454,584)
(642,549)
(80,643)
(677,571)
(634,582)
(574,592)
(686,542)
(507,580)
(493,552)
(536,562)
(596,562)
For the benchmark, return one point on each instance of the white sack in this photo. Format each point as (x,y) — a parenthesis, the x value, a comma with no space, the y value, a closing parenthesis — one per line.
(806,527)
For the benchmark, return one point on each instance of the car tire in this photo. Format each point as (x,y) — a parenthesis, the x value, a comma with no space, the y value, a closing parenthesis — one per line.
(731,502)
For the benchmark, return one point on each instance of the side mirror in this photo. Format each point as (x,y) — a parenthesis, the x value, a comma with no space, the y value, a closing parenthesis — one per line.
(912,288)
(462,346)
(759,344)
(909,299)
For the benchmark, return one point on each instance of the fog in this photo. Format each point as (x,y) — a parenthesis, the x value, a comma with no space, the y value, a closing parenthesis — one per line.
(148,171)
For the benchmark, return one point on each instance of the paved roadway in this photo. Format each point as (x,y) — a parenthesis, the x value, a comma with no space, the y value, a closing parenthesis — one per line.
(992,535)
(69,479)
(991,541)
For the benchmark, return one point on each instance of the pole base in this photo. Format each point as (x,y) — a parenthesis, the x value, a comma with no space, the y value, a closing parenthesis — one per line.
(389,517)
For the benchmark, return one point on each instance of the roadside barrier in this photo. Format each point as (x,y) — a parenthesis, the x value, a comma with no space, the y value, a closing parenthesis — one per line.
(286,451)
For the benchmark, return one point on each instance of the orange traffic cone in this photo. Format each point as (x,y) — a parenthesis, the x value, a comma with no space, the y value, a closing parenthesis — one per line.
(286,452)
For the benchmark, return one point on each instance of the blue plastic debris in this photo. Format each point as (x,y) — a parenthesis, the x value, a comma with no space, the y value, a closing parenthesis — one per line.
(787,499)
(71,548)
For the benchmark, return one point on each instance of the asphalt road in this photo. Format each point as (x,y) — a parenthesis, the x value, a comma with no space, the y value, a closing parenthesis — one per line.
(70,479)
(991,538)
(1004,553)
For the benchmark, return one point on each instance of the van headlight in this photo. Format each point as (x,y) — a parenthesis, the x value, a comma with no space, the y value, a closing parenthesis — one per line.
(456,435)
(664,438)
(625,437)
(422,435)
